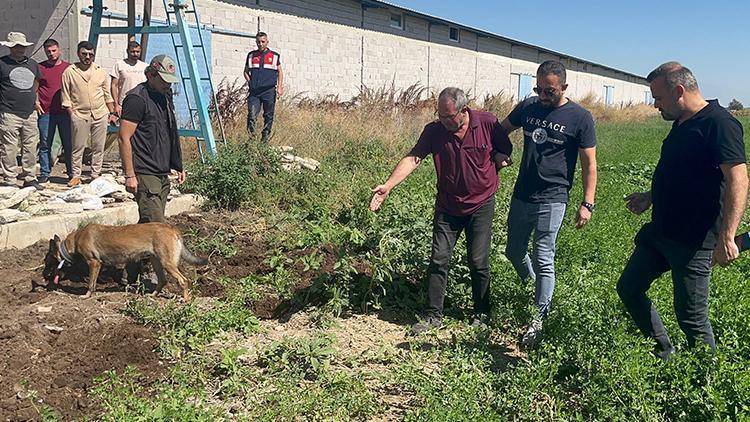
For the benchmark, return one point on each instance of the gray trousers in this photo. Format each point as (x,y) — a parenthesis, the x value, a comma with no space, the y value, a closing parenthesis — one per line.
(691,271)
(16,131)
(543,221)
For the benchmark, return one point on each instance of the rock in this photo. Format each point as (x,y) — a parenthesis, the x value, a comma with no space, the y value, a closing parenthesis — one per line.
(122,196)
(10,215)
(7,191)
(284,148)
(120,180)
(49,208)
(107,200)
(54,329)
(308,163)
(17,197)
(43,309)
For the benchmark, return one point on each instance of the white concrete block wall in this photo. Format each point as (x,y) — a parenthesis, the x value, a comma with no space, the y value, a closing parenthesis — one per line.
(326,51)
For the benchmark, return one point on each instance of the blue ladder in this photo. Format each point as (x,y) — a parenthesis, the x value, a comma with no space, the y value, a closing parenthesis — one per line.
(179,29)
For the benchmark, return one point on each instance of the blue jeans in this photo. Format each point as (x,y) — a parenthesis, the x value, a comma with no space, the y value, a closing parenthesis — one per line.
(544,220)
(48,123)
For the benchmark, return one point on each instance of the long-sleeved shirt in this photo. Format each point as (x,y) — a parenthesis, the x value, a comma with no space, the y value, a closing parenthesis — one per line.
(86,92)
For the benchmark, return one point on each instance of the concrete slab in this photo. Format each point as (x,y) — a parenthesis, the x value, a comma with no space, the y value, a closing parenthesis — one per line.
(21,234)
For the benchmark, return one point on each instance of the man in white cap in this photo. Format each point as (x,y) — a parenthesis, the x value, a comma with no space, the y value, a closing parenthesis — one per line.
(18,119)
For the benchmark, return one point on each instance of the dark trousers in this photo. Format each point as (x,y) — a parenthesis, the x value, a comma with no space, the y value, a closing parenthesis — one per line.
(445,232)
(267,99)
(691,271)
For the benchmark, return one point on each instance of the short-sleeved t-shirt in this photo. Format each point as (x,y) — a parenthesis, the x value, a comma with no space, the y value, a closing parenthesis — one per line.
(50,85)
(128,75)
(687,188)
(466,174)
(552,137)
(155,143)
(17,94)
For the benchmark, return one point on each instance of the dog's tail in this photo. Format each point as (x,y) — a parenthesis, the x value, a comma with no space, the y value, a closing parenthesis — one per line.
(188,257)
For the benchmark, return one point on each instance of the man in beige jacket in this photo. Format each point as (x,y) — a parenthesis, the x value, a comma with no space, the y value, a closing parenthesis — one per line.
(86,96)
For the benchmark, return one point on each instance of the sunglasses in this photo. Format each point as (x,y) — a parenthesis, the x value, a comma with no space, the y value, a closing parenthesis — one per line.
(546,91)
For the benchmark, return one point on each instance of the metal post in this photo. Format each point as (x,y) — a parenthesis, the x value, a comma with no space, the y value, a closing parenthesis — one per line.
(201,102)
(146,22)
(131,19)
(96,22)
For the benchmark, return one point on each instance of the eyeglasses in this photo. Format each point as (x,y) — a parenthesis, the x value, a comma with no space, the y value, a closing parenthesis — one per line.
(451,117)
(546,91)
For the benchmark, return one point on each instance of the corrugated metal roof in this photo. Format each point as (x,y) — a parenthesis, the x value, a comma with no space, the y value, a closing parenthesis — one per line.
(437,19)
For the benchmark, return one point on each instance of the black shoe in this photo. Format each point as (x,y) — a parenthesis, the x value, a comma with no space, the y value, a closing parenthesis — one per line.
(663,353)
(43,179)
(34,184)
(480,321)
(428,324)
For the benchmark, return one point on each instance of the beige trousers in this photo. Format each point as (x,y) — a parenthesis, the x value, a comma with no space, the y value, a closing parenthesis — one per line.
(15,131)
(82,129)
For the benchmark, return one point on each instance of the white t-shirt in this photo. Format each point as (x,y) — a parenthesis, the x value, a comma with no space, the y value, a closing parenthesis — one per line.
(128,75)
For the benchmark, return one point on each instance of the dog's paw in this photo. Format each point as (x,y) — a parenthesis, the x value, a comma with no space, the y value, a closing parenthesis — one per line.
(86,296)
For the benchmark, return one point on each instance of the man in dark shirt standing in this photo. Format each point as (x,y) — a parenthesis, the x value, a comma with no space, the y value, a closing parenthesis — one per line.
(19,76)
(462,144)
(556,132)
(149,143)
(698,192)
(265,81)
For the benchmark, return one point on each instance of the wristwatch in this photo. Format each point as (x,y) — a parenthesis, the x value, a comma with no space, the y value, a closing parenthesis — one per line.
(588,205)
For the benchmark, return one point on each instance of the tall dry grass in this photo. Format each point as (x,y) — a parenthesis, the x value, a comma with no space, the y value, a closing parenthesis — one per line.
(394,117)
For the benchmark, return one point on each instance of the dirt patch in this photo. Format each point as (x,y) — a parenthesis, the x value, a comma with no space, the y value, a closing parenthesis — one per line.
(56,343)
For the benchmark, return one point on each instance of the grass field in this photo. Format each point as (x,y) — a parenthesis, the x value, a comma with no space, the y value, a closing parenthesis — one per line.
(344,355)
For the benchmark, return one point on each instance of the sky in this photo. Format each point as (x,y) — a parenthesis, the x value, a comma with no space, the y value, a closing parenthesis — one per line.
(711,37)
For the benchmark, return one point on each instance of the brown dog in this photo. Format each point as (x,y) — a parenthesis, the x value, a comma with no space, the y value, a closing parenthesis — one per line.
(101,245)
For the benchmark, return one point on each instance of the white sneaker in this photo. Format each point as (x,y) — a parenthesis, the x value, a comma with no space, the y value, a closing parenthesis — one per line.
(533,335)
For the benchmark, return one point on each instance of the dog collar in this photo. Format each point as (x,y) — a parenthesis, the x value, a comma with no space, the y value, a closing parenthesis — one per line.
(65,254)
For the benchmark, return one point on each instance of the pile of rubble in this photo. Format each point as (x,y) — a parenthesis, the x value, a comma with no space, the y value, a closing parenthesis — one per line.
(291,162)
(105,191)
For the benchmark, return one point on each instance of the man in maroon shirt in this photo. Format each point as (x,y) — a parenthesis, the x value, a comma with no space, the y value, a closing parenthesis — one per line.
(51,114)
(462,143)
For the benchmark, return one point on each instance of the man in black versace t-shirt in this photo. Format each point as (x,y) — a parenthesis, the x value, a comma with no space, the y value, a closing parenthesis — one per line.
(556,132)
(698,192)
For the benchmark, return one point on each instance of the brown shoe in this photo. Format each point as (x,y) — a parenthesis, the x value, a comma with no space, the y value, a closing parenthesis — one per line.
(74,182)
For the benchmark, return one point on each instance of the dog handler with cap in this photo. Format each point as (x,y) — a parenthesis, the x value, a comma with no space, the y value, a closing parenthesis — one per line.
(149,143)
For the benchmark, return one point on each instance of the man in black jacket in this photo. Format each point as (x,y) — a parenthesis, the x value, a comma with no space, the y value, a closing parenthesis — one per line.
(149,143)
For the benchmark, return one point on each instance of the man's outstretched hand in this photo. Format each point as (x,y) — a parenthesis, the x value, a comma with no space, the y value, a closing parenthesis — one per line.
(380,192)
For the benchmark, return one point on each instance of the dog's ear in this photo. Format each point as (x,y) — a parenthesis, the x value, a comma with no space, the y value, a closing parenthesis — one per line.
(56,239)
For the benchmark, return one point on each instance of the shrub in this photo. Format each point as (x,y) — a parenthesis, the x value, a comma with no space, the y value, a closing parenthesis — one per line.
(234,175)
(735,105)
